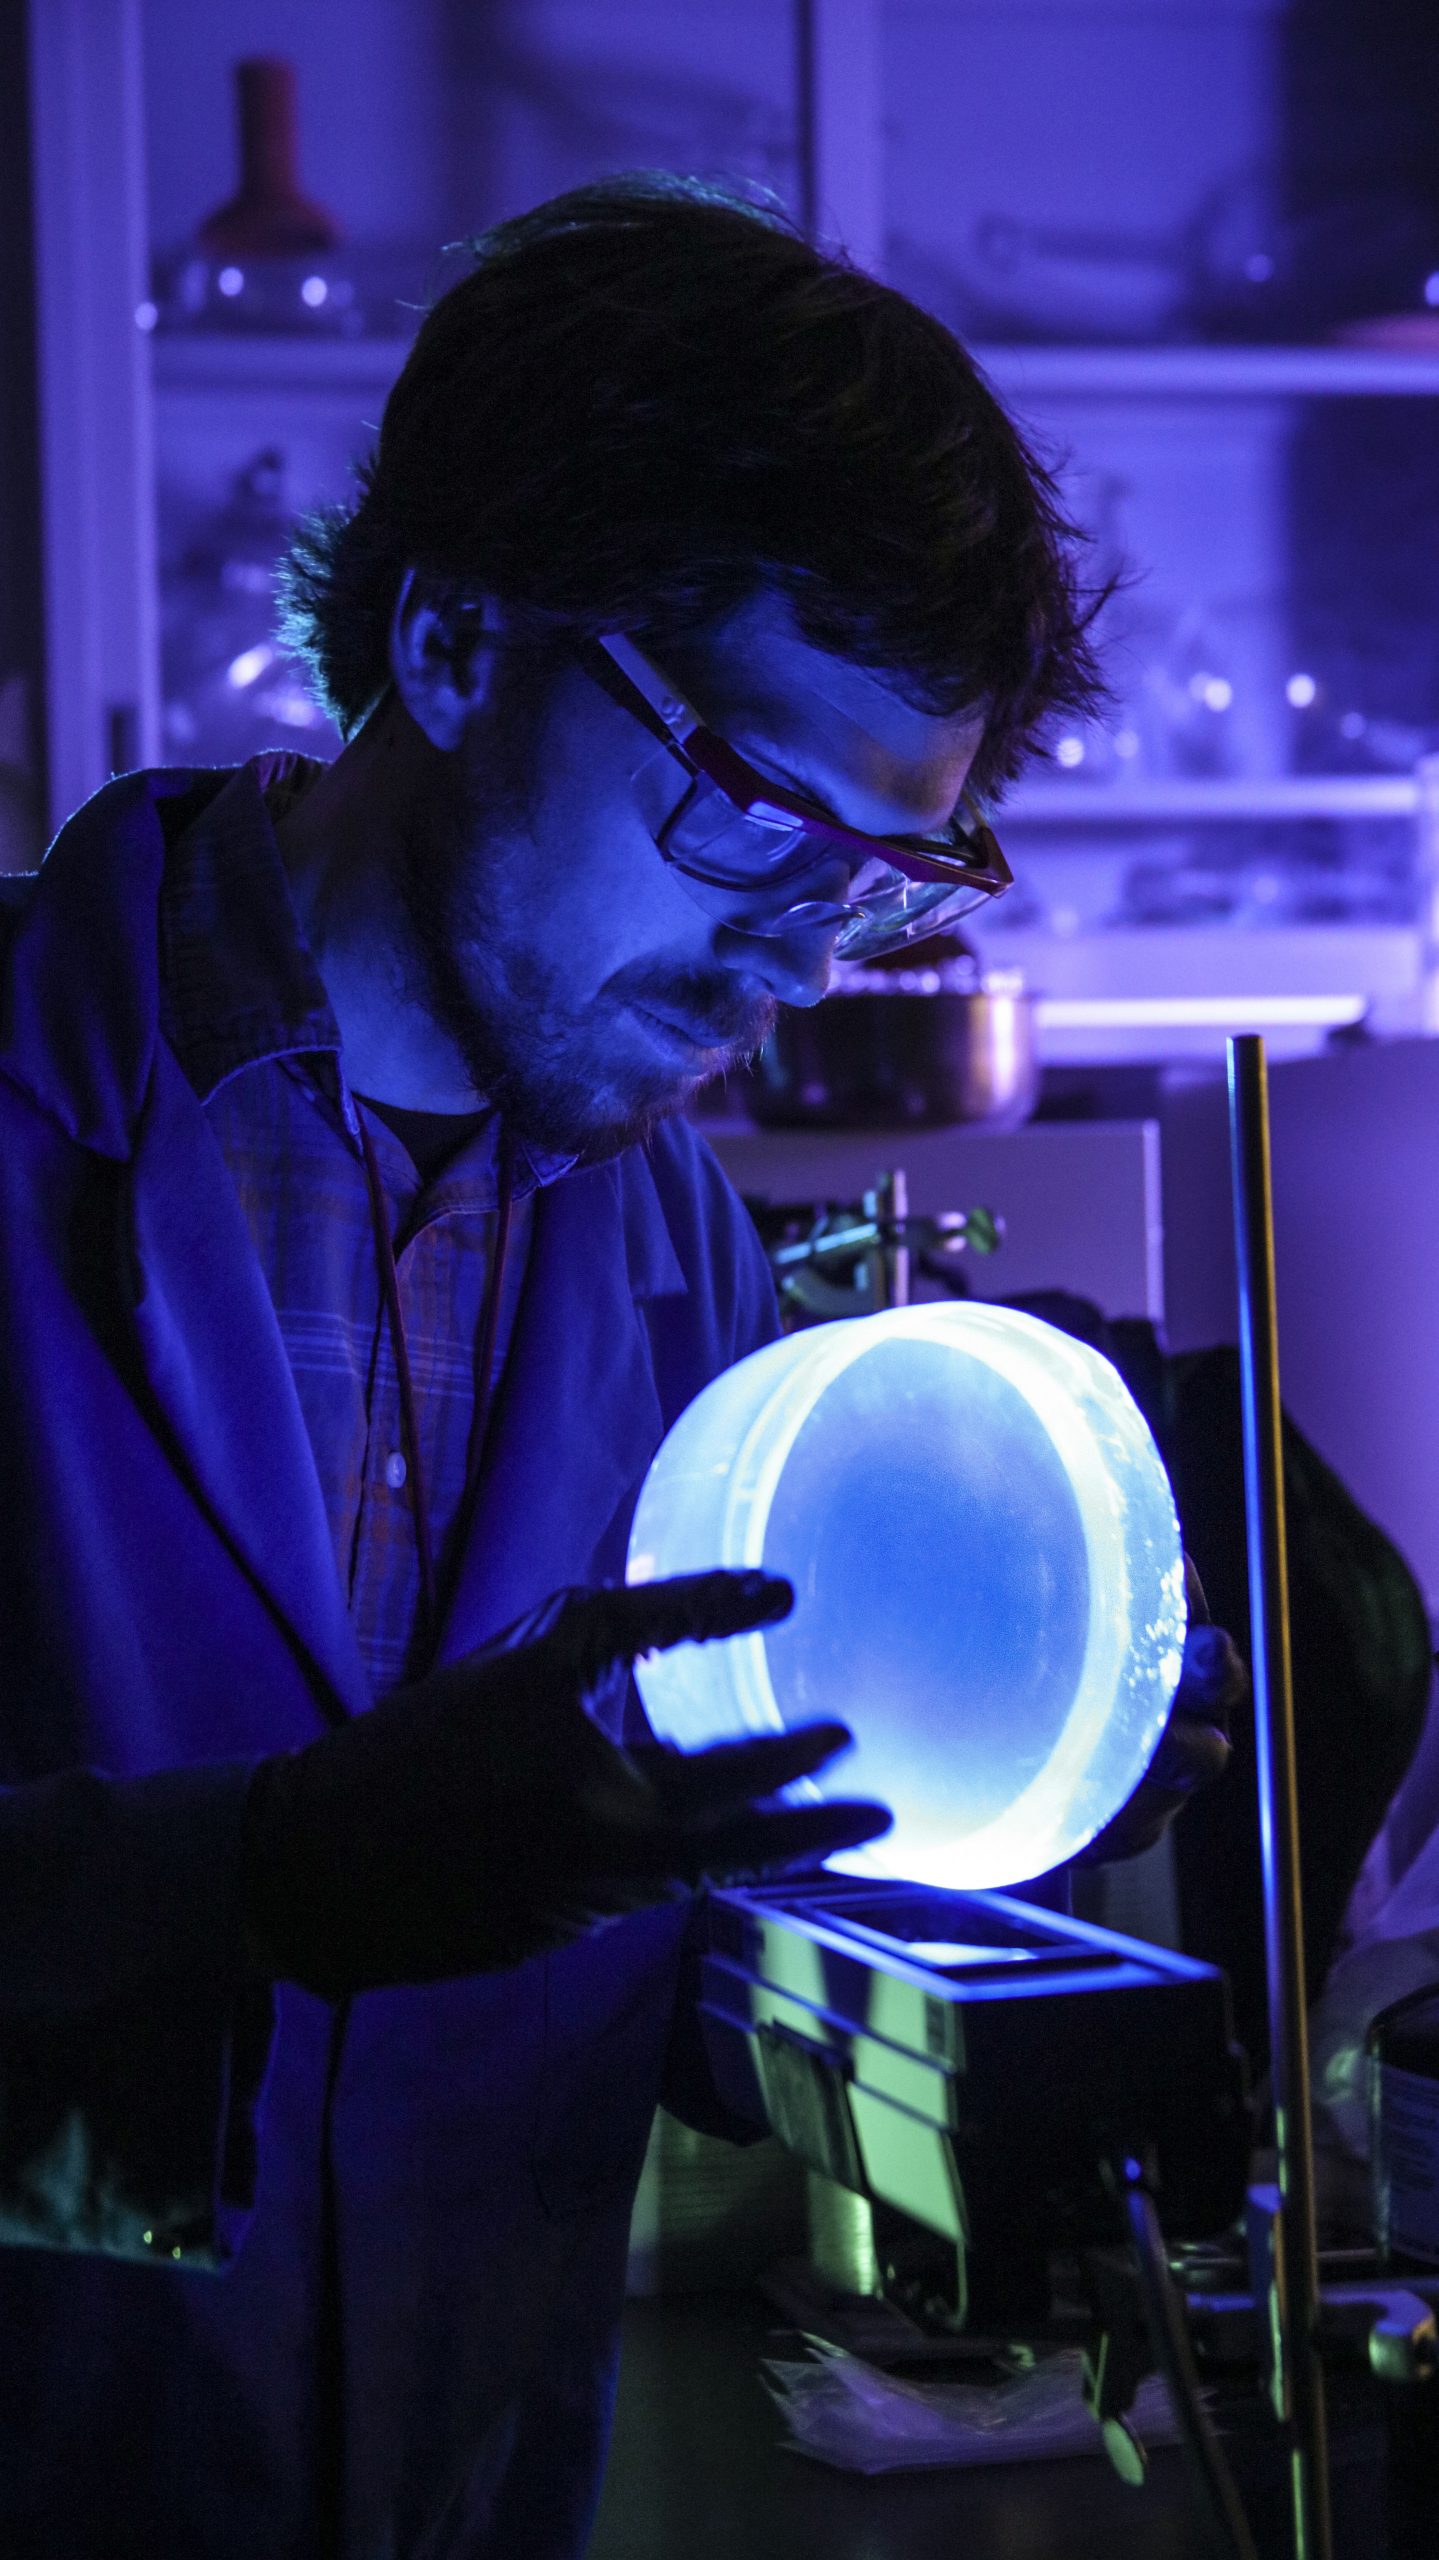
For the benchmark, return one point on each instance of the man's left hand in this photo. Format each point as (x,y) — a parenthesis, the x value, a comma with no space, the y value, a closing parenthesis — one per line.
(1194,1748)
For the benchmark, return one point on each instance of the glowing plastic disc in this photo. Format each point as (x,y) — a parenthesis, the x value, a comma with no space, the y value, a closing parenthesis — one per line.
(988,1578)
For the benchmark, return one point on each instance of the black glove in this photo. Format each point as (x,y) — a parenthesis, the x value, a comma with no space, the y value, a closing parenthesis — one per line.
(482,1815)
(1194,1747)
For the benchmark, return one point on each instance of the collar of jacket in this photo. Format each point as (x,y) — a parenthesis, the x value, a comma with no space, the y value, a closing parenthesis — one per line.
(90,920)
(580,1414)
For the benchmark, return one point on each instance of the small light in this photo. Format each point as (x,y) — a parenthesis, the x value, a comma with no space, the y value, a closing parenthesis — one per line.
(1216,693)
(1301,691)
(231,280)
(1353,725)
(1431,290)
(250,664)
(1070,751)
(149,2239)
(1126,743)
(289,704)
(1259,267)
(146,315)
(313,292)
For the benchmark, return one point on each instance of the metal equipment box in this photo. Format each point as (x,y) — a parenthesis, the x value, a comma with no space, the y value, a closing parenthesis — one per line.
(975,2061)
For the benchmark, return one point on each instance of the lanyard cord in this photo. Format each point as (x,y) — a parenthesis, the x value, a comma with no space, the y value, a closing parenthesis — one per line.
(489,1335)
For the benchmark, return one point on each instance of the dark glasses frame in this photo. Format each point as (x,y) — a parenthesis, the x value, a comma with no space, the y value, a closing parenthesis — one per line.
(967,854)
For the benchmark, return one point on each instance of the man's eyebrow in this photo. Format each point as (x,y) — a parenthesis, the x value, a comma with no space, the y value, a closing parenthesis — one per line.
(774,769)
(770,765)
(770,762)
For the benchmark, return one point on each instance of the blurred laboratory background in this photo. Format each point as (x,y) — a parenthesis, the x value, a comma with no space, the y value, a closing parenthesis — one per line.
(1195,246)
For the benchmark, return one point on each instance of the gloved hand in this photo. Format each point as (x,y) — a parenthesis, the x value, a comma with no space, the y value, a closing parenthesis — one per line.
(482,1815)
(1194,1747)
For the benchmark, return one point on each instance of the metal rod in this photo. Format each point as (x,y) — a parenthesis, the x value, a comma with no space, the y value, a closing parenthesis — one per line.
(1299,2379)
(886,1210)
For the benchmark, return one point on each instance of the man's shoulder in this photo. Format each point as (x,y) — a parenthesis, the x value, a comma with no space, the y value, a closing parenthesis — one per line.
(80,957)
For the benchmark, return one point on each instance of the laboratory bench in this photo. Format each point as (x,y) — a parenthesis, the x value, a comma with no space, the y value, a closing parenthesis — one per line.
(699,2471)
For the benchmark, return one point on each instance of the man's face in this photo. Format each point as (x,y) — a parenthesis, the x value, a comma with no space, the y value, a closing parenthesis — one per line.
(585,990)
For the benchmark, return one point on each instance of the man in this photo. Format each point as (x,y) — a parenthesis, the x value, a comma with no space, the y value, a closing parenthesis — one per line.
(354,1264)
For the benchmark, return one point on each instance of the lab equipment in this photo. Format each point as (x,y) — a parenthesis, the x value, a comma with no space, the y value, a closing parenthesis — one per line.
(987,1568)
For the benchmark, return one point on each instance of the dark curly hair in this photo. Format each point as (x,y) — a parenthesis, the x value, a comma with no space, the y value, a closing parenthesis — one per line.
(649,397)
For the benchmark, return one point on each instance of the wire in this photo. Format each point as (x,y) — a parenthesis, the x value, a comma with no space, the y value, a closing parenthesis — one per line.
(1170,2341)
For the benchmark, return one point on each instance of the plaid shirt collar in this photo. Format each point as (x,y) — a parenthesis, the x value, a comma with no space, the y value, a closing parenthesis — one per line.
(238,983)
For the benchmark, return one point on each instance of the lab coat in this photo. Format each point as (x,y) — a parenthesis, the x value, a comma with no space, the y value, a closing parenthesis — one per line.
(367,2268)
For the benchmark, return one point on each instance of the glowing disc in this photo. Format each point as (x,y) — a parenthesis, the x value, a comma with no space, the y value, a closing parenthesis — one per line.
(987,1569)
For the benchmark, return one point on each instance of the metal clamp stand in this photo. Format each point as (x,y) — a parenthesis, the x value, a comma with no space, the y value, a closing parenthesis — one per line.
(1286,2314)
(880,1241)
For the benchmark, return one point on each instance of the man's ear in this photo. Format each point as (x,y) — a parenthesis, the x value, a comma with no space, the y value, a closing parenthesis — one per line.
(442,655)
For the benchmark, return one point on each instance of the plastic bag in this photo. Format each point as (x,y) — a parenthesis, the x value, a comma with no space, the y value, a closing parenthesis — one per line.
(844,2412)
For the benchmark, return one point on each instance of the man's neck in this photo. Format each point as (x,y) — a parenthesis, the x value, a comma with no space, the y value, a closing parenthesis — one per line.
(339,842)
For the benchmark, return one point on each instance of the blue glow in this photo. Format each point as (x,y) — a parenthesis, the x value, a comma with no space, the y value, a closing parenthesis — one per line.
(989,1582)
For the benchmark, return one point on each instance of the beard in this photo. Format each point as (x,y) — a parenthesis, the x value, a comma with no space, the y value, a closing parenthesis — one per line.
(561,1074)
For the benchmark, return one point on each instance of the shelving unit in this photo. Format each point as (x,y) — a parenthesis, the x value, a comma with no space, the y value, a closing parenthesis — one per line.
(199,362)
(1187,803)
(1126,993)
(195,359)
(1212,372)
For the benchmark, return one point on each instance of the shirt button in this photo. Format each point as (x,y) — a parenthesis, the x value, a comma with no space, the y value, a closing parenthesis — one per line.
(395,1469)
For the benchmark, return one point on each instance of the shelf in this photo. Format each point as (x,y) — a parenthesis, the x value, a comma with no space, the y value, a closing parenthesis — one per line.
(1210,373)
(1147,804)
(1177,992)
(229,360)
(211,360)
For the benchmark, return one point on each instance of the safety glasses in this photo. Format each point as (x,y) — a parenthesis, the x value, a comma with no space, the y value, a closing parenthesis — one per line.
(767,861)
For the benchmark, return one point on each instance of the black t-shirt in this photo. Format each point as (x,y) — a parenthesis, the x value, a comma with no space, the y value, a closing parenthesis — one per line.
(430,1138)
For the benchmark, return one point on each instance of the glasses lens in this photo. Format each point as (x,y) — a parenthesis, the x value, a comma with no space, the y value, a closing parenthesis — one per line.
(709,837)
(913,911)
(772,874)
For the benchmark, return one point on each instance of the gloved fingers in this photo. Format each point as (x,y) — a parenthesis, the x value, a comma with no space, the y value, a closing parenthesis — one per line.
(1194,1600)
(605,1625)
(747,1843)
(1139,1825)
(1214,1681)
(1192,1754)
(706,1786)
(602,1631)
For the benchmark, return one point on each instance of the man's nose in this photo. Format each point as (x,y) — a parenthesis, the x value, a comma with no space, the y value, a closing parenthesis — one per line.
(792,967)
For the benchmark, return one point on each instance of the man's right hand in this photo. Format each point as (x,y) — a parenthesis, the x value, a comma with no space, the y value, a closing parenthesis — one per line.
(481,1816)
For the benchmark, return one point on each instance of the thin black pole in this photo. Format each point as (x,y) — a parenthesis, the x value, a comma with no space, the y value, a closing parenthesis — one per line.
(1299,2377)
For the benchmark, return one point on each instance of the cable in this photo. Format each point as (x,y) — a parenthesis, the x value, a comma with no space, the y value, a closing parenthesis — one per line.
(1170,2341)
